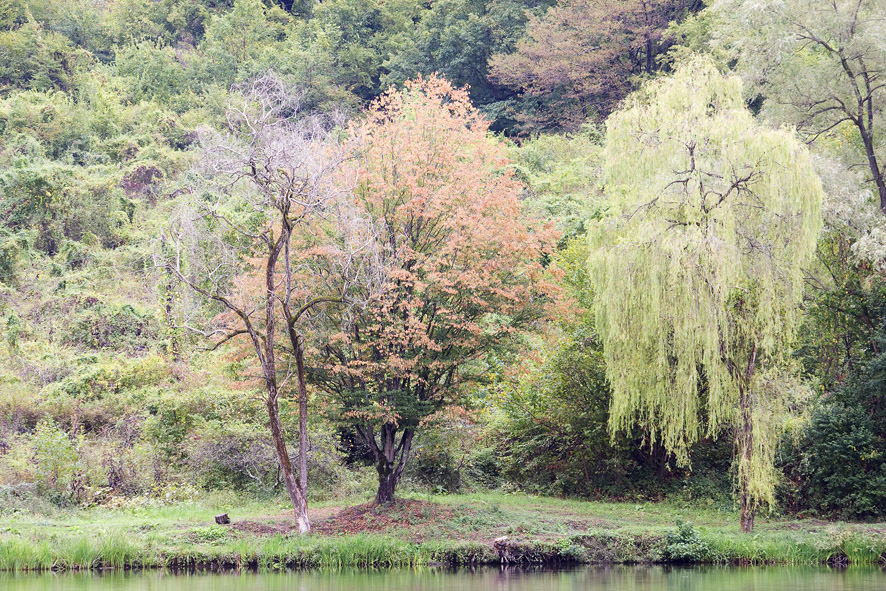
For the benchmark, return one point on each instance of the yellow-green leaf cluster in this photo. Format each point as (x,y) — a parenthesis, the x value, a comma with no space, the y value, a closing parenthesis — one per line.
(698,264)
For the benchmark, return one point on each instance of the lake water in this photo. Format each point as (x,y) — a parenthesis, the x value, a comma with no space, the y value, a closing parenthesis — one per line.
(616,578)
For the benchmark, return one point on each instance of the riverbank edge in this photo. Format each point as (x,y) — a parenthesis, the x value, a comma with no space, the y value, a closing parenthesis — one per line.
(291,552)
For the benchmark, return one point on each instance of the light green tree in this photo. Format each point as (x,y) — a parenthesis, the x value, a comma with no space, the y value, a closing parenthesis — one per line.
(698,268)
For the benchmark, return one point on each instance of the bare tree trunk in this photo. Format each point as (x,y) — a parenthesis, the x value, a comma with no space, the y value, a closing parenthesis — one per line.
(302,416)
(296,492)
(293,487)
(389,466)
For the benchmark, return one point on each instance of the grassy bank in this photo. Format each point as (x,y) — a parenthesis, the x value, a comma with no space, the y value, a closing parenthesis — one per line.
(422,530)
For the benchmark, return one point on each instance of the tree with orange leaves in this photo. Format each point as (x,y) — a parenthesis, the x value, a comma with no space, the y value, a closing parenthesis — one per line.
(459,267)
(581,57)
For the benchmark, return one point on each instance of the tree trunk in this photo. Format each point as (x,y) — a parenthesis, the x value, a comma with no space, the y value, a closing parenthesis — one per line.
(876,173)
(266,353)
(881,189)
(386,487)
(389,466)
(293,487)
(649,61)
(745,444)
(747,513)
(744,440)
(302,416)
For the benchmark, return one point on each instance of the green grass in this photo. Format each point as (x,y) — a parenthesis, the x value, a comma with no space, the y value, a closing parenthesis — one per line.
(460,529)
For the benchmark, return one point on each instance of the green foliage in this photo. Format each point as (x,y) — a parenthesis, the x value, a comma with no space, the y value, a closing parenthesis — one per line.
(844,464)
(838,465)
(119,327)
(36,59)
(456,38)
(55,459)
(435,468)
(152,72)
(696,291)
(563,174)
(685,545)
(845,311)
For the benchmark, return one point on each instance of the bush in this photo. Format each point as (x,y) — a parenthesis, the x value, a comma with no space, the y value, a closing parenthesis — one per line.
(237,456)
(838,467)
(120,327)
(435,469)
(31,57)
(483,469)
(685,545)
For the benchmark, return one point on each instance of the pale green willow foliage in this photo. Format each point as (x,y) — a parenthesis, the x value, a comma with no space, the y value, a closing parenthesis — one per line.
(699,260)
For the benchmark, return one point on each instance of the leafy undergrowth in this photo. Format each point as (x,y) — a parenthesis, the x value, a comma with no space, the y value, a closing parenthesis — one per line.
(456,529)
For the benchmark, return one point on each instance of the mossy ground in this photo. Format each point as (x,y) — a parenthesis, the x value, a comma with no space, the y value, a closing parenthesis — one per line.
(418,529)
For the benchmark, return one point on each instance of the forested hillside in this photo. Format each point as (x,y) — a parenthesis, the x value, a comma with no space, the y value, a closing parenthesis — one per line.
(599,249)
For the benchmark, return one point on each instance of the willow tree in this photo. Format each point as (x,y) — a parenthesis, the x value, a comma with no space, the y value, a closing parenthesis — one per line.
(698,268)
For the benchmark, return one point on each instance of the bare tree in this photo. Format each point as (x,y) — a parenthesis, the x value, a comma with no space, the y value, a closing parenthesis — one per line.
(270,179)
(819,64)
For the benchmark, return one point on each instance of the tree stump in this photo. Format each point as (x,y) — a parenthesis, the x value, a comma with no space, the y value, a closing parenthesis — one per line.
(222,519)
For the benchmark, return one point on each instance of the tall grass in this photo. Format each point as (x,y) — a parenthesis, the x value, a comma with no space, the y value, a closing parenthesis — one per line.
(72,553)
(363,551)
(116,551)
(358,551)
(795,549)
(22,555)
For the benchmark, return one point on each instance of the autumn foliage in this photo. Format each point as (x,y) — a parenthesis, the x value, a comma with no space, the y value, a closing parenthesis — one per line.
(581,57)
(460,266)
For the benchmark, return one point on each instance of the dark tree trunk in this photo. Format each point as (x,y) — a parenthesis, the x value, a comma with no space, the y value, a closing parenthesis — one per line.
(302,416)
(293,487)
(876,173)
(391,459)
(267,356)
(386,487)
(649,57)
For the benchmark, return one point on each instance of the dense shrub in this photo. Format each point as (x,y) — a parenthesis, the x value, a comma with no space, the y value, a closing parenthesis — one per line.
(838,467)
(239,456)
(685,545)
(31,57)
(119,327)
(435,469)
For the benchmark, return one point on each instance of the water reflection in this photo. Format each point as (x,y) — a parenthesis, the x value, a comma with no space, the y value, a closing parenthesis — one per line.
(612,578)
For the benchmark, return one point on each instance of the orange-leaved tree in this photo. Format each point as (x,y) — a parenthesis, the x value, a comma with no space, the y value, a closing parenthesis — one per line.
(581,57)
(458,268)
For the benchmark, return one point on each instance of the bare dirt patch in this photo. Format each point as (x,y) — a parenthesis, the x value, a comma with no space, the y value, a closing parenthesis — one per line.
(372,518)
(256,528)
